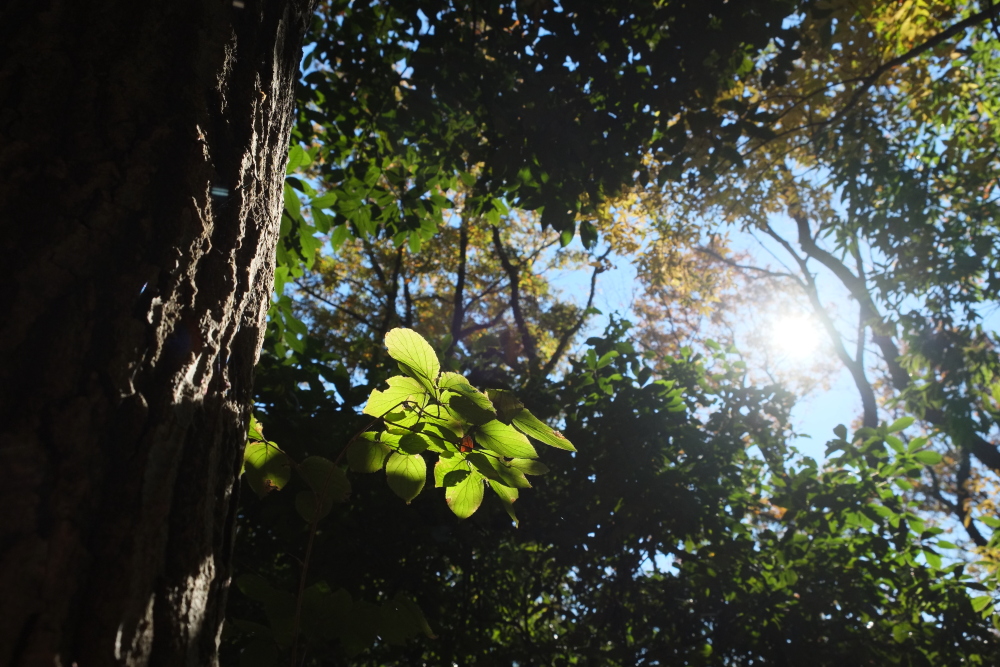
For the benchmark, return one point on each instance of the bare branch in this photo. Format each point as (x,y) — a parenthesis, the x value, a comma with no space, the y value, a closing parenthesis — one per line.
(458,305)
(513,273)
(856,369)
(319,297)
(567,336)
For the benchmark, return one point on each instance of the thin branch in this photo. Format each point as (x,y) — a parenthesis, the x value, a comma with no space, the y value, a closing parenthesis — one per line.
(373,258)
(392,294)
(964,501)
(515,301)
(408,300)
(484,325)
(458,306)
(744,267)
(870,80)
(986,452)
(319,297)
(857,371)
(567,336)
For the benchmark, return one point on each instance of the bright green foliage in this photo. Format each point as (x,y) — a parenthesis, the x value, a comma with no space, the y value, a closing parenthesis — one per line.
(421,413)
(442,414)
(406,474)
(266,467)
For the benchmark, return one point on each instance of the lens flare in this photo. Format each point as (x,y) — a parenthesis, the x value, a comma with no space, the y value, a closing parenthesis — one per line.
(795,336)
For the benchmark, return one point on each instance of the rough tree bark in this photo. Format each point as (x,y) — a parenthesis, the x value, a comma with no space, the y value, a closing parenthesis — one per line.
(142,151)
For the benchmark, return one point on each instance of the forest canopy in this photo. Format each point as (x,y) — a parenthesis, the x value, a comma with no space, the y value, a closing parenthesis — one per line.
(463,177)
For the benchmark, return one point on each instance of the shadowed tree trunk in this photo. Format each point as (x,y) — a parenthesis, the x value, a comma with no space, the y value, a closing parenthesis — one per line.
(142,152)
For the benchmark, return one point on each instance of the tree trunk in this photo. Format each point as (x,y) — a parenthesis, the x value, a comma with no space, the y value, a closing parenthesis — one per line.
(142,153)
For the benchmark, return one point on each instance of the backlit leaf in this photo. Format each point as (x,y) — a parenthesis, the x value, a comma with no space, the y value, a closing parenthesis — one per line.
(367,456)
(406,475)
(504,440)
(266,467)
(528,423)
(414,353)
(465,497)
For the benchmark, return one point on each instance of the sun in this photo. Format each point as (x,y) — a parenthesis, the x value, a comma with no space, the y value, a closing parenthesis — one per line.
(796,337)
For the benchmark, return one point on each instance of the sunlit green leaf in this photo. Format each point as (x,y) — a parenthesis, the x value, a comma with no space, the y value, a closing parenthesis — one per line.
(446,465)
(504,440)
(266,467)
(529,466)
(415,354)
(402,392)
(901,424)
(465,497)
(453,382)
(507,497)
(527,423)
(367,456)
(506,404)
(406,475)
(256,430)
(928,457)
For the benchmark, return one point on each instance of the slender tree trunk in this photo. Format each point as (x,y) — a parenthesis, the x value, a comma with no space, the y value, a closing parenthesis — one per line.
(142,152)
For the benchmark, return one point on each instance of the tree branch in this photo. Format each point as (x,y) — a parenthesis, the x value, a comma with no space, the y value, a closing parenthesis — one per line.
(458,305)
(319,297)
(564,340)
(515,301)
(392,294)
(868,403)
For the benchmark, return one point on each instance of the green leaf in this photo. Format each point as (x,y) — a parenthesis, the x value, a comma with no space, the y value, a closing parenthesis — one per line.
(367,456)
(900,424)
(325,201)
(981,602)
(505,403)
(455,477)
(840,431)
(402,391)
(414,443)
(446,465)
(406,475)
(511,476)
(928,457)
(296,157)
(395,624)
(415,355)
(266,467)
(340,234)
(362,627)
(453,382)
(507,497)
(529,466)
(606,359)
(465,497)
(504,440)
(486,465)
(256,430)
(539,430)
(416,613)
(469,410)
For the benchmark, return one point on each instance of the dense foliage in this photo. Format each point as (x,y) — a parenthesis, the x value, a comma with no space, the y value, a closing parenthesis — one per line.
(434,140)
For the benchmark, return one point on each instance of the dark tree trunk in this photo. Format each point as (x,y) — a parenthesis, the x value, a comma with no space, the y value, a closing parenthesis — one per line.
(142,152)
